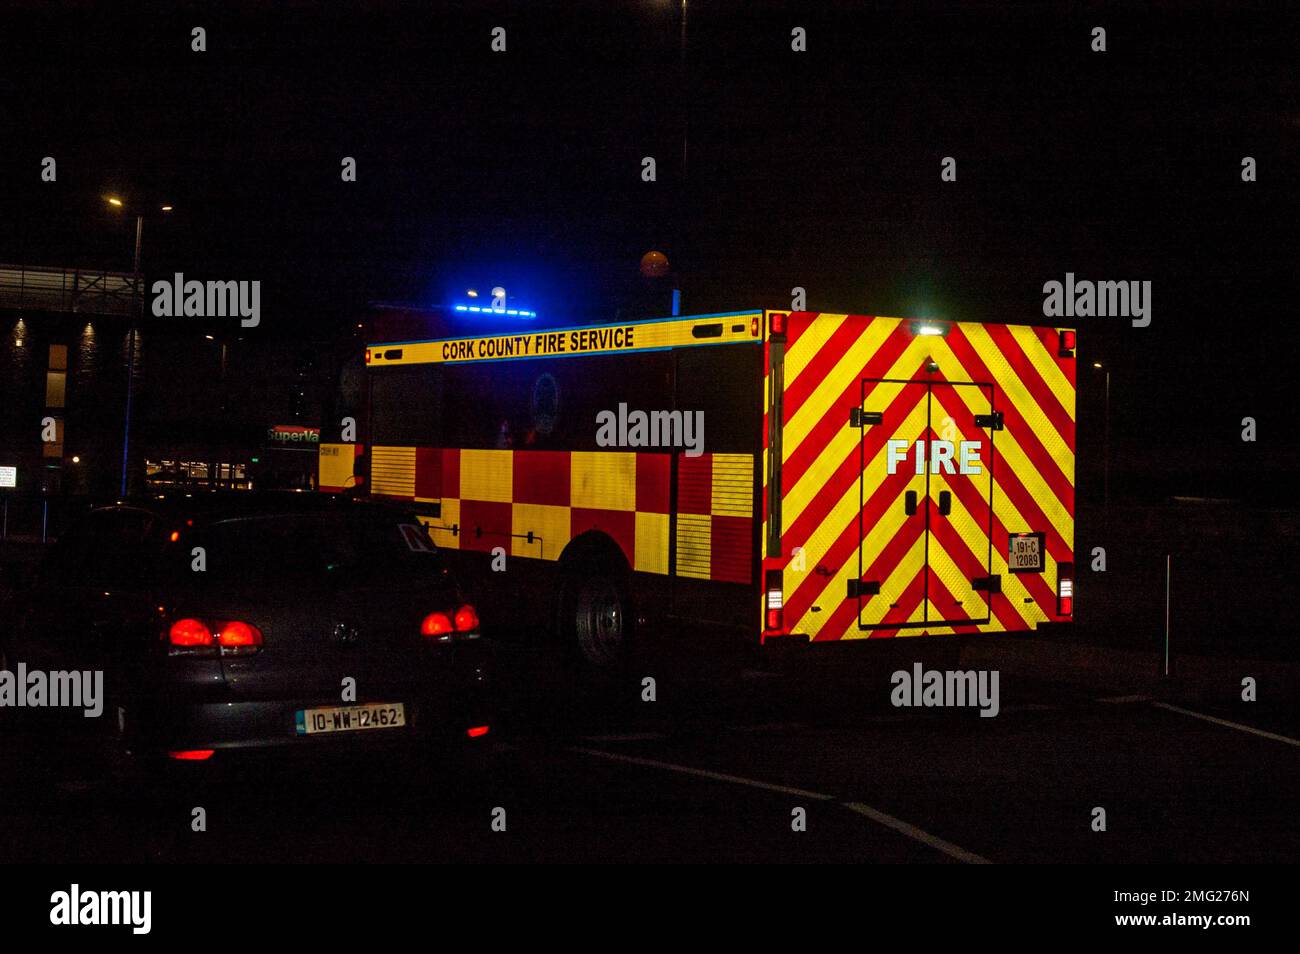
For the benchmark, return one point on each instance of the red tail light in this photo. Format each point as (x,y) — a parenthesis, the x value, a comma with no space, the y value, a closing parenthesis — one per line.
(234,633)
(466,619)
(436,624)
(1065,589)
(464,622)
(777,323)
(1068,339)
(191,755)
(228,636)
(189,632)
(477,732)
(774,600)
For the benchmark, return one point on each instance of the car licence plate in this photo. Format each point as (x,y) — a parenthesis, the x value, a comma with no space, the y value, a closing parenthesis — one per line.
(1025,553)
(378,715)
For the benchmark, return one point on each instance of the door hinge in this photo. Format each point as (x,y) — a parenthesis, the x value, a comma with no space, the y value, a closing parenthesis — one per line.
(992,421)
(992,584)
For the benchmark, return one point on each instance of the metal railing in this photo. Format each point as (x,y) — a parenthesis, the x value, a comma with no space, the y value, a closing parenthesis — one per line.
(92,291)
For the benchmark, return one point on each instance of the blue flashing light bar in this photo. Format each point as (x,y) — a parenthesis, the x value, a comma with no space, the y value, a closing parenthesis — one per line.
(513,312)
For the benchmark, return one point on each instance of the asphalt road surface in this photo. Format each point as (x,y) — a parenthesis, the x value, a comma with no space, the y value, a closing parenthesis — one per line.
(716,769)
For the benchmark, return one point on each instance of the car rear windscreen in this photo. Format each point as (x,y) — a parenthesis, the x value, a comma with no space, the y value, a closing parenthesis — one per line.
(315,547)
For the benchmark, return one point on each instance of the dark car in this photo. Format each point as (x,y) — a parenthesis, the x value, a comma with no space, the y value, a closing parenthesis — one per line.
(254,620)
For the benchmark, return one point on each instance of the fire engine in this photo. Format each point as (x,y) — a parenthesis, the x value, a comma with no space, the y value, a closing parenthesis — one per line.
(857,477)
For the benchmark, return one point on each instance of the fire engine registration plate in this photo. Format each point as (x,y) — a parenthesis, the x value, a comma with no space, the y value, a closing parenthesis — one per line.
(380,715)
(1025,553)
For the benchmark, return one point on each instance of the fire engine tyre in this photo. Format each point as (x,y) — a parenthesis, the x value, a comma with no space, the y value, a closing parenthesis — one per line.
(596,620)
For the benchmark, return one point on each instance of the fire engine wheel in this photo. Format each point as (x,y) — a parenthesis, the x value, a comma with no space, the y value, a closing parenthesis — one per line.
(597,612)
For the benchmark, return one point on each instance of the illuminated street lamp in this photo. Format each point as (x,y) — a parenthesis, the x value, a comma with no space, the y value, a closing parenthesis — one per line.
(118,203)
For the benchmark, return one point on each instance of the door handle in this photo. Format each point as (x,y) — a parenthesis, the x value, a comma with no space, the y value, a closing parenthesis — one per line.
(909,503)
(945,503)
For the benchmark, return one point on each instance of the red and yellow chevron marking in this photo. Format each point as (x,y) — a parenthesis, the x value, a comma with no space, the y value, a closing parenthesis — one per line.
(844,512)
(534,502)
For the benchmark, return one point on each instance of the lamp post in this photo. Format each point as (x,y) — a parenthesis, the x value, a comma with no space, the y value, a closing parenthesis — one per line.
(686,109)
(117,203)
(1105,479)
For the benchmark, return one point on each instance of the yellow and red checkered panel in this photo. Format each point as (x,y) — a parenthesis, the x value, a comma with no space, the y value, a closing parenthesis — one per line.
(715,517)
(843,511)
(336,467)
(534,502)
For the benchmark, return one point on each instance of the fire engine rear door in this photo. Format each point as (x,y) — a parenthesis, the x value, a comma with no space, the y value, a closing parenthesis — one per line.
(960,473)
(890,587)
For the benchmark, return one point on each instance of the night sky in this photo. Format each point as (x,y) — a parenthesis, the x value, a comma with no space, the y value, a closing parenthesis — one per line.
(817,169)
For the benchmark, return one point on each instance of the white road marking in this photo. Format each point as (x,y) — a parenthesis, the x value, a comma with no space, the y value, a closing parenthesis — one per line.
(1231,725)
(705,773)
(627,737)
(879,817)
(911,831)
